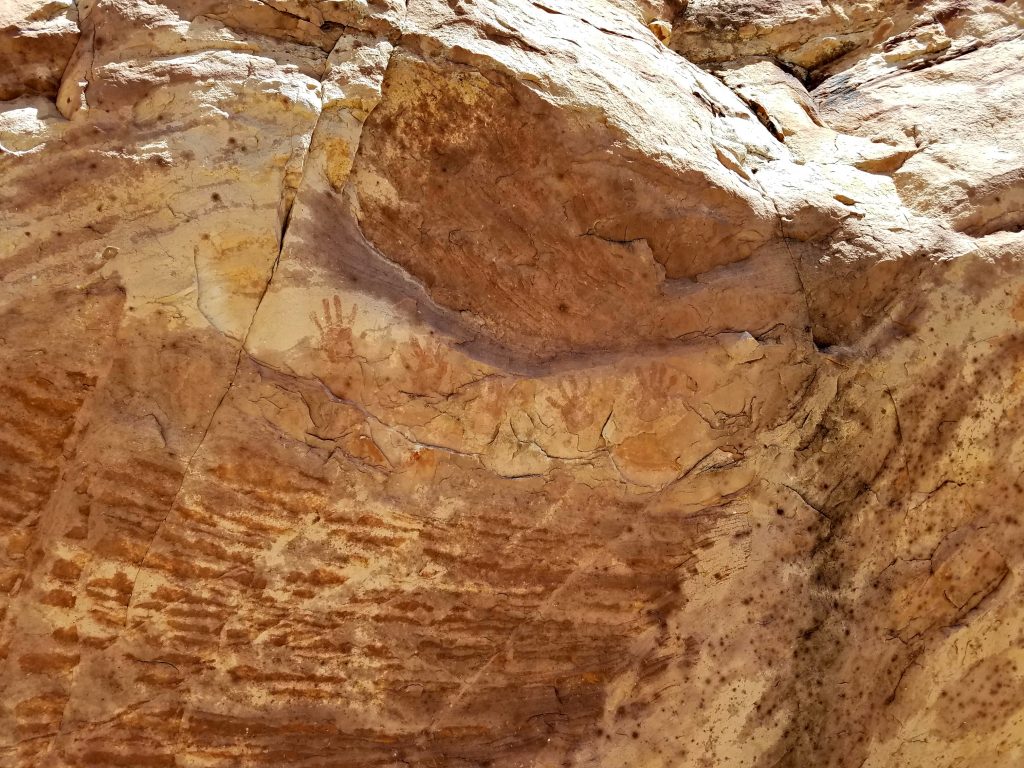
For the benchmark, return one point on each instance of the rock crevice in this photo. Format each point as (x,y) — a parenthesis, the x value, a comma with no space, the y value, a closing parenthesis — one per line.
(513,384)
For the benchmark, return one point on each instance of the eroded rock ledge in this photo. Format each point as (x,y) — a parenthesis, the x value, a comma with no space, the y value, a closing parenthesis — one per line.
(510,383)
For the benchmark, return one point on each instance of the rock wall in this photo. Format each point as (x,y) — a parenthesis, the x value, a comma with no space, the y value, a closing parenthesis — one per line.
(511,383)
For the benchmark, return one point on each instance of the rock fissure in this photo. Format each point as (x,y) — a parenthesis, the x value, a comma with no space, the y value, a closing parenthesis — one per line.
(511,384)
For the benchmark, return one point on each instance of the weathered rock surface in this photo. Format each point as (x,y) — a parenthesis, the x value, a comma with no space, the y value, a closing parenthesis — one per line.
(511,383)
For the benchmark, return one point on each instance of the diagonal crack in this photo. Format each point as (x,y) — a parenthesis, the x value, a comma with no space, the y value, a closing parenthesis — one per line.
(242,347)
(187,471)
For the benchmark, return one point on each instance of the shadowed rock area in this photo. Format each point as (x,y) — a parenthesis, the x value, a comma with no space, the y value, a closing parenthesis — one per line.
(465,383)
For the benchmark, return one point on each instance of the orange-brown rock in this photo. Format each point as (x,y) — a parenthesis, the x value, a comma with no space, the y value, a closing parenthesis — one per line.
(511,383)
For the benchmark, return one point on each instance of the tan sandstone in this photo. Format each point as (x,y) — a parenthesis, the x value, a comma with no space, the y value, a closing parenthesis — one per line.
(511,383)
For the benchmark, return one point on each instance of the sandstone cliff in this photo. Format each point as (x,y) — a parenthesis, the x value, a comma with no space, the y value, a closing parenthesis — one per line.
(512,383)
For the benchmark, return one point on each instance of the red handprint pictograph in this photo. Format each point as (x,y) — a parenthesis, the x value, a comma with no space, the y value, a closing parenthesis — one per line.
(571,402)
(427,365)
(655,390)
(335,329)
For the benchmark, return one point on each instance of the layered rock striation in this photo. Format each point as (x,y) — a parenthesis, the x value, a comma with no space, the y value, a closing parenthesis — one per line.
(511,383)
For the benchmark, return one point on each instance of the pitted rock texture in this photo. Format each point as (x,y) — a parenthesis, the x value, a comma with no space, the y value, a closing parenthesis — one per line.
(511,383)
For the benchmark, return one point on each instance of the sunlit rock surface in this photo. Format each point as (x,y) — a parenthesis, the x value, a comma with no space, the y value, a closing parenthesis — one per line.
(510,383)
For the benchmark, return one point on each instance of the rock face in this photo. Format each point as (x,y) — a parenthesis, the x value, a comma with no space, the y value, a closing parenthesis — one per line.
(511,383)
